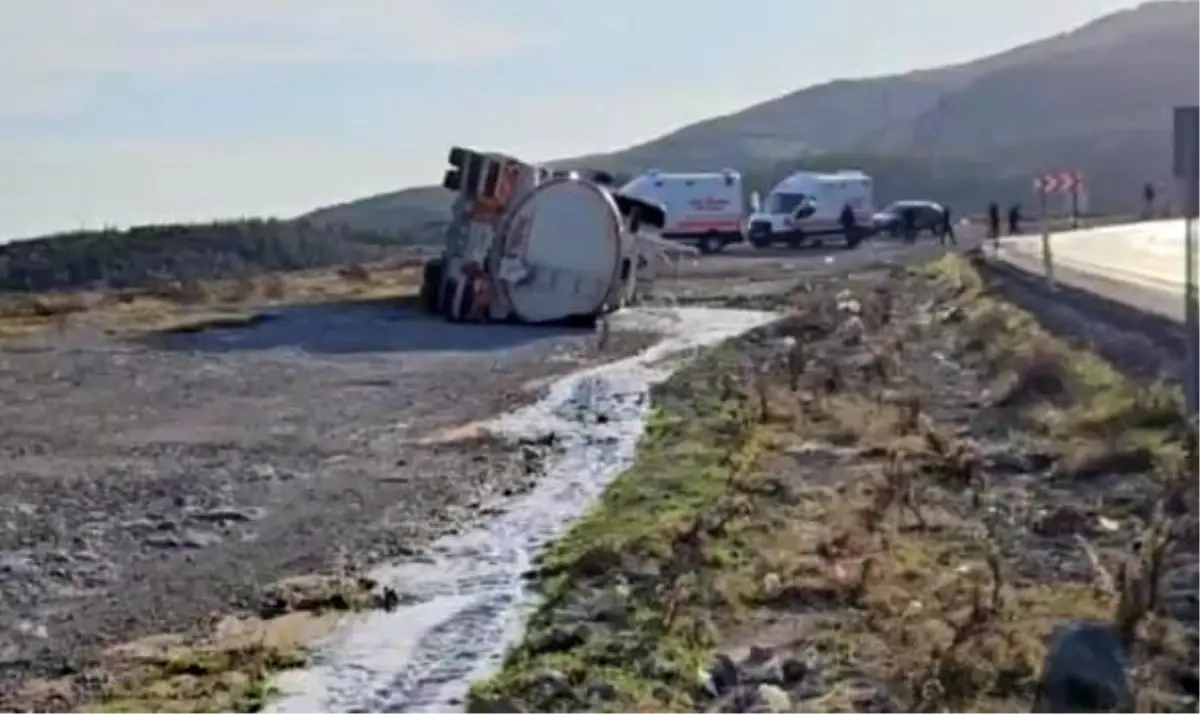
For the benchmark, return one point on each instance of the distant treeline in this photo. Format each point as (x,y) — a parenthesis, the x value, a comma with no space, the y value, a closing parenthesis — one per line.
(148,254)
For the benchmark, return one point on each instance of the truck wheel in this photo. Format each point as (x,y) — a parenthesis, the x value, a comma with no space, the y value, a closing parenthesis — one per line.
(796,239)
(711,244)
(431,282)
(761,241)
(584,322)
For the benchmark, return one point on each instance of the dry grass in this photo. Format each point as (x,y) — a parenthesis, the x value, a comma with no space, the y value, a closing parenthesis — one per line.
(805,503)
(174,304)
(1103,420)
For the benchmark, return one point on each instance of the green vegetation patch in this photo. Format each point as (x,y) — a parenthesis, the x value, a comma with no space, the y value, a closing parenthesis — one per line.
(611,635)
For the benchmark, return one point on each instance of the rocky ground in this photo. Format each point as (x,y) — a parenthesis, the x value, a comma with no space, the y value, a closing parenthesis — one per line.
(149,485)
(905,497)
(155,483)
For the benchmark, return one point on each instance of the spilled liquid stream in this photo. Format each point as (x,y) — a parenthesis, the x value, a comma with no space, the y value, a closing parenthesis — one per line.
(467,598)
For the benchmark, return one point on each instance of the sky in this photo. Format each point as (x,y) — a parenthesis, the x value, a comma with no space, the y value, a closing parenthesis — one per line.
(119,112)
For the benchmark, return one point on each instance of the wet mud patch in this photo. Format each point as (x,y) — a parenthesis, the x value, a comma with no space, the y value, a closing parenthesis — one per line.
(871,507)
(225,667)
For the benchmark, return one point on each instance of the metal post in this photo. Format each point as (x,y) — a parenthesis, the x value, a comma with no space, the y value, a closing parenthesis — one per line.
(1075,204)
(1187,171)
(1047,258)
(1191,316)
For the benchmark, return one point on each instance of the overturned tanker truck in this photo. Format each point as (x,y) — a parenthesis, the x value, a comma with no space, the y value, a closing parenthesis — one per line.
(528,245)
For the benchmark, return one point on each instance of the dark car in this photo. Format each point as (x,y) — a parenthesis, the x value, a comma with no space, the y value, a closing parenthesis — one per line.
(930,216)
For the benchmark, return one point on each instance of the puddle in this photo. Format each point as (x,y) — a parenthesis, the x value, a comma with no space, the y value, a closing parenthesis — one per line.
(466,600)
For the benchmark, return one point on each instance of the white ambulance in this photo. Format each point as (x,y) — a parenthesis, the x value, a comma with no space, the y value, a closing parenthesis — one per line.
(704,209)
(807,206)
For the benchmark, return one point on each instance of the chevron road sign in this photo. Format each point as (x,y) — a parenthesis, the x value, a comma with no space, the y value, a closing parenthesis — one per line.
(1049,184)
(1057,182)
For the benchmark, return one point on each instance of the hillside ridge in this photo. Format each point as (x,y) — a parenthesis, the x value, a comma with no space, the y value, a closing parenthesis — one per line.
(1096,98)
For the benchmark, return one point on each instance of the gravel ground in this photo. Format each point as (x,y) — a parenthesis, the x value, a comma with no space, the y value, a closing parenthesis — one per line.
(148,486)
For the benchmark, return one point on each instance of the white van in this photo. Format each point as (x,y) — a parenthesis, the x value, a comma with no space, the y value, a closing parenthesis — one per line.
(807,206)
(706,209)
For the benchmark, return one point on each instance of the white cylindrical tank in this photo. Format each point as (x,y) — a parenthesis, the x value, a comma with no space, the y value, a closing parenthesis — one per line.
(560,251)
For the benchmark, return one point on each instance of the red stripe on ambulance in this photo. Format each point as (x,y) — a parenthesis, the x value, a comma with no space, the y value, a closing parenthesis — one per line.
(701,225)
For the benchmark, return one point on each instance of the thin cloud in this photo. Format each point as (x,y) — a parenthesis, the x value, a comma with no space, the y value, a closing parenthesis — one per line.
(50,50)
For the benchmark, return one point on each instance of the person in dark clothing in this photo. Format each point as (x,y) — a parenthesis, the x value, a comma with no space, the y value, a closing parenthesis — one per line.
(1014,220)
(993,220)
(849,227)
(946,230)
(908,219)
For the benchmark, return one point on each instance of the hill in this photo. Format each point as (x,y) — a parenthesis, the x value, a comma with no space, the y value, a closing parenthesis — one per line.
(1097,99)
(146,255)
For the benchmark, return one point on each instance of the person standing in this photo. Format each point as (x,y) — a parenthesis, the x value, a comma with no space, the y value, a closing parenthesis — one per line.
(1014,220)
(849,224)
(946,230)
(993,220)
(908,219)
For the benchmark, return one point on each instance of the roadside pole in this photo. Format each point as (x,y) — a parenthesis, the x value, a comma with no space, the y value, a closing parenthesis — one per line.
(1075,205)
(1047,258)
(1187,174)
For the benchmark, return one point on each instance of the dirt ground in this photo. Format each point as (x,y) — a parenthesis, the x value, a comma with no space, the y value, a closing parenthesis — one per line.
(149,485)
(888,502)
(157,481)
